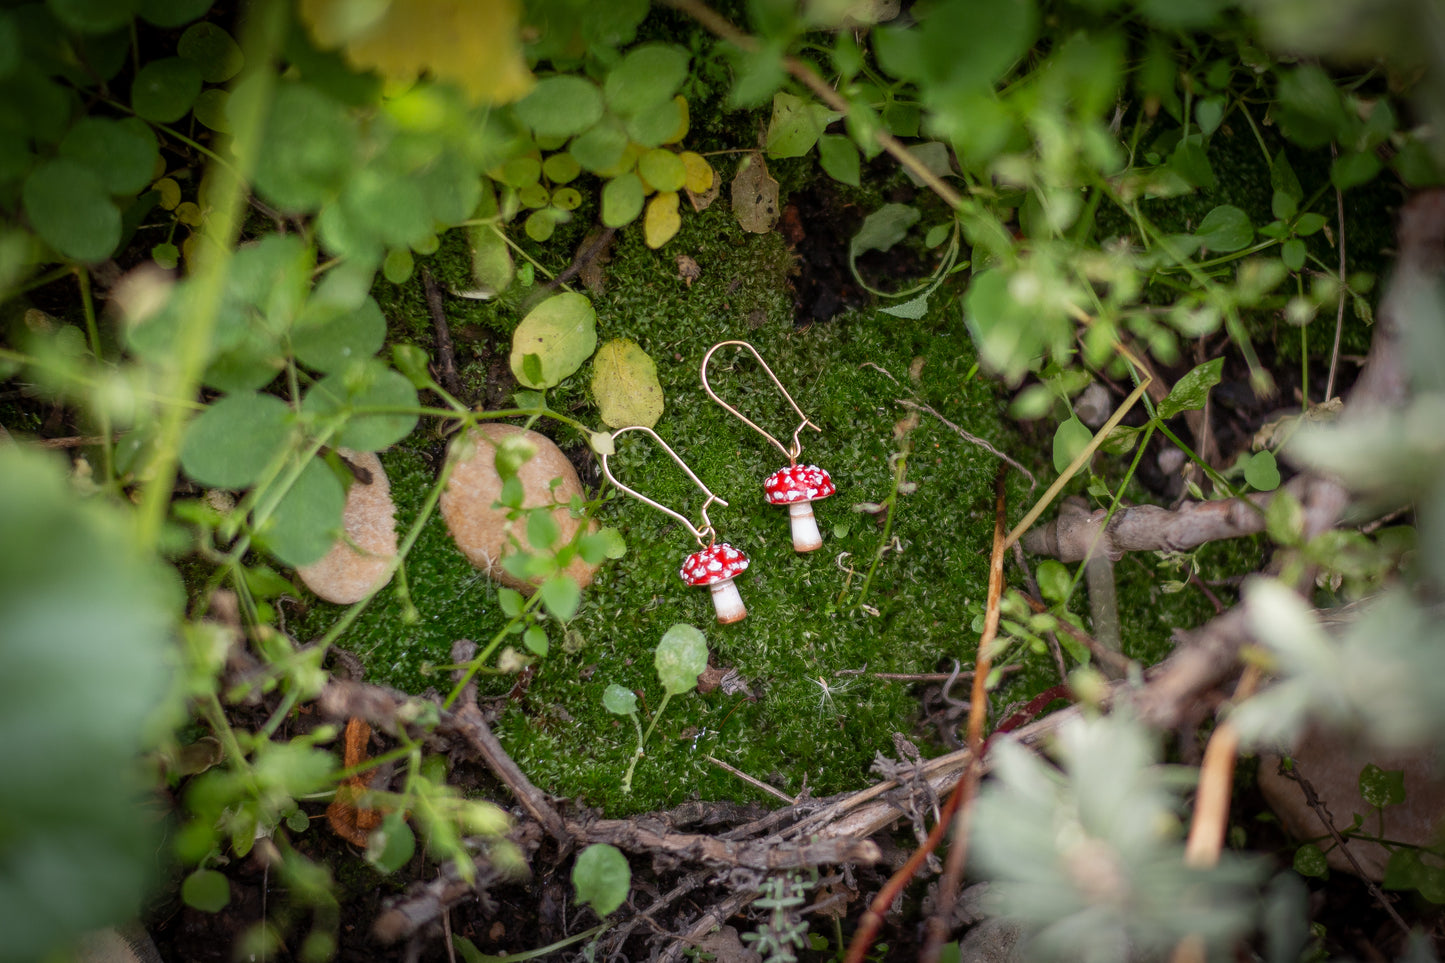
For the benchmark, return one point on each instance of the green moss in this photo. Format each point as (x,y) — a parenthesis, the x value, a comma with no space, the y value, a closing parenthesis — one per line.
(806,618)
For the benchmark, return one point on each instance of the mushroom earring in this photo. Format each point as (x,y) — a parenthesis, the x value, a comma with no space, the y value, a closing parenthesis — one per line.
(715,564)
(796,486)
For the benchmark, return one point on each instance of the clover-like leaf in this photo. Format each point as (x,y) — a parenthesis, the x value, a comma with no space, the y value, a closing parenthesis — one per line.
(618,700)
(163,90)
(371,385)
(561,106)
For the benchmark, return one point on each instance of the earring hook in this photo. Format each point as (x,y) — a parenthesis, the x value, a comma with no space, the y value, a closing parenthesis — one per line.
(797,447)
(706,535)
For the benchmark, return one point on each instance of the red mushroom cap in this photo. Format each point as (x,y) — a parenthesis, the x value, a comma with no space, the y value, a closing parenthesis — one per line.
(797,483)
(716,563)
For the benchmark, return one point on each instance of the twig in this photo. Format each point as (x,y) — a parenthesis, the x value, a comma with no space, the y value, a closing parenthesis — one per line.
(1323,813)
(974,439)
(1340,310)
(948,885)
(469,724)
(719,25)
(751,781)
(446,356)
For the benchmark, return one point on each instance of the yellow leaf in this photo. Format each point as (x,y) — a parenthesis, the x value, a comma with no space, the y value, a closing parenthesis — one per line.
(662,220)
(170,192)
(472,44)
(624,382)
(681,131)
(700,174)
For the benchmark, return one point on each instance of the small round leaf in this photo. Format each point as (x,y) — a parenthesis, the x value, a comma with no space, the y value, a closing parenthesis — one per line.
(308,519)
(234,440)
(206,890)
(165,89)
(71,210)
(602,877)
(561,106)
(122,153)
(618,700)
(625,385)
(600,147)
(216,55)
(648,75)
(622,199)
(371,385)
(662,169)
(681,657)
(662,221)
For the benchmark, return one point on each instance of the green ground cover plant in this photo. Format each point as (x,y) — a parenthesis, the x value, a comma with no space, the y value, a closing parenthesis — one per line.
(243,239)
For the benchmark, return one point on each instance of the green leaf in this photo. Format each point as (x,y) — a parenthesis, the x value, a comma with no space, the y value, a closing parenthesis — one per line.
(1261,471)
(1352,170)
(163,90)
(512,452)
(681,657)
(561,332)
(212,108)
(622,199)
(913,309)
(1292,253)
(1192,390)
(1309,108)
(308,519)
(398,265)
(1283,206)
(599,148)
(71,210)
(234,440)
(561,596)
(646,77)
(392,844)
(1208,113)
(795,125)
(1309,860)
(93,16)
(510,601)
(206,890)
(601,544)
(173,13)
(1191,163)
(1070,438)
(1309,223)
(1283,180)
(662,169)
(959,44)
(602,878)
(1225,228)
(542,530)
(328,337)
(625,385)
(650,128)
(619,701)
(535,639)
(369,385)
(122,153)
(839,158)
(308,147)
(216,55)
(883,228)
(1284,519)
(1382,787)
(1054,580)
(561,168)
(561,106)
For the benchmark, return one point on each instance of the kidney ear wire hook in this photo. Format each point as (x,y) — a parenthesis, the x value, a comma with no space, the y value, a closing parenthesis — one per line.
(795,485)
(797,448)
(715,564)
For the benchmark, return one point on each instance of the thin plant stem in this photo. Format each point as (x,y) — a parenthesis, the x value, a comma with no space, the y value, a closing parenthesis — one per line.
(1340,311)
(102,410)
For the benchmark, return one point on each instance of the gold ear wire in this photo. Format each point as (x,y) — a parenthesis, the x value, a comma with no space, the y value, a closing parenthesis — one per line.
(705,535)
(797,447)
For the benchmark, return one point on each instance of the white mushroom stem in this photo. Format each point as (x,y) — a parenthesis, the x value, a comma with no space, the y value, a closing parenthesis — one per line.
(727,602)
(805,527)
